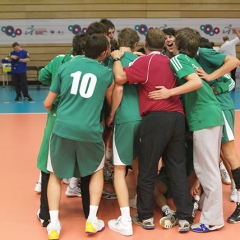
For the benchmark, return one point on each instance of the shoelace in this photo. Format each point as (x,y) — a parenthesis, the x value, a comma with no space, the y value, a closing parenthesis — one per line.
(169,212)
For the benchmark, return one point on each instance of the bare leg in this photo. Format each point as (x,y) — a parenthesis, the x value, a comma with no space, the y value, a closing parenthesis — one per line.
(120,185)
(54,192)
(96,187)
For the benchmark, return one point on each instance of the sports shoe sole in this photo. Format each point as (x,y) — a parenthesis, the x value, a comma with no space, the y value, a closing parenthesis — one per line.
(166,222)
(214,228)
(89,229)
(72,195)
(233,222)
(125,233)
(184,226)
(136,221)
(53,235)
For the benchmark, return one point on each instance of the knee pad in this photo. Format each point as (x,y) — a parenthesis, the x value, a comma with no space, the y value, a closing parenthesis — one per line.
(236,177)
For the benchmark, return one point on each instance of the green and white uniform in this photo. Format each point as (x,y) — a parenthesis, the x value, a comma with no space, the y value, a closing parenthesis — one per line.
(201,106)
(127,121)
(204,118)
(81,85)
(210,60)
(46,76)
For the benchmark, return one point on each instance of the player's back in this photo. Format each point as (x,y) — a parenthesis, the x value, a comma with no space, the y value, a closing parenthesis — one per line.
(81,85)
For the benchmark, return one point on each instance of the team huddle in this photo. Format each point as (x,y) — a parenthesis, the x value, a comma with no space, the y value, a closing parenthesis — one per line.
(170,103)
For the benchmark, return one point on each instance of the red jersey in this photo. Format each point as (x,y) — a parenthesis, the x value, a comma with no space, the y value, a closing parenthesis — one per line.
(151,71)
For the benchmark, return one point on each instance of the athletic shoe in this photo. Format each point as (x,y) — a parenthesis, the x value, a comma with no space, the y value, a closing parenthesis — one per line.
(204,228)
(123,227)
(27,98)
(66,180)
(94,226)
(73,192)
(38,187)
(147,224)
(224,175)
(18,98)
(133,202)
(44,223)
(108,195)
(183,226)
(235,217)
(234,195)
(195,208)
(169,219)
(53,232)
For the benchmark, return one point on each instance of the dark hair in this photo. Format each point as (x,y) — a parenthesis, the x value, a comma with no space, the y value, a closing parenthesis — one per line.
(127,37)
(225,38)
(169,31)
(141,50)
(78,44)
(205,43)
(95,45)
(187,41)
(15,44)
(155,39)
(107,23)
(96,27)
(114,44)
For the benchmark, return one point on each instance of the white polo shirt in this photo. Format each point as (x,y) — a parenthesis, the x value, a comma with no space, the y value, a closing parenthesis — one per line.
(229,47)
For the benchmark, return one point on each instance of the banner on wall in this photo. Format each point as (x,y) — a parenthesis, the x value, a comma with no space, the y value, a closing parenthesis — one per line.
(63,30)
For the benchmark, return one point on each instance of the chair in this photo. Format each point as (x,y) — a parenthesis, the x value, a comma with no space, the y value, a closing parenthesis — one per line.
(6,69)
(34,68)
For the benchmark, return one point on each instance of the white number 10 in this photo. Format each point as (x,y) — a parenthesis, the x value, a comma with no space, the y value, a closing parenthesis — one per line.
(87,85)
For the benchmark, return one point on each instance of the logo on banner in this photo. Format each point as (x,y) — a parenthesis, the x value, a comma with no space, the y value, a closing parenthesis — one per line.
(143,28)
(59,32)
(38,31)
(76,29)
(209,30)
(11,32)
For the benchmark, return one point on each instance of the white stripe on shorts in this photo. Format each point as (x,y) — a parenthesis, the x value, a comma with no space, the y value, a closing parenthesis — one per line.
(116,158)
(49,163)
(229,131)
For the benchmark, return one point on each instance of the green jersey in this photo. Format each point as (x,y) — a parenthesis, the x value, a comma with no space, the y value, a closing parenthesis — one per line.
(81,85)
(47,74)
(128,110)
(201,106)
(210,60)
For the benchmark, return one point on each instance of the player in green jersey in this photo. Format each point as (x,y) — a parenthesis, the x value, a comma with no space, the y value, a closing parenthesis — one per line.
(126,115)
(46,76)
(212,61)
(77,134)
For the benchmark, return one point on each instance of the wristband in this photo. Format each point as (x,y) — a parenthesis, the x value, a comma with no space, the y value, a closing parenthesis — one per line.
(116,59)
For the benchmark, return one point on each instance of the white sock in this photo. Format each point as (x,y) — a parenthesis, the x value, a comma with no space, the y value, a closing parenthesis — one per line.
(165,208)
(197,198)
(108,153)
(221,165)
(40,177)
(233,186)
(125,212)
(238,196)
(73,182)
(54,217)
(92,213)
